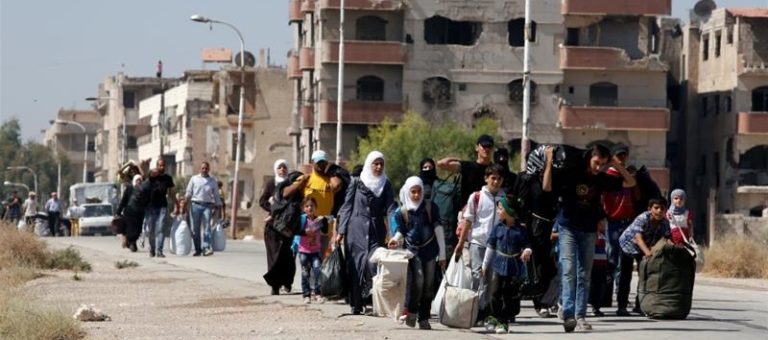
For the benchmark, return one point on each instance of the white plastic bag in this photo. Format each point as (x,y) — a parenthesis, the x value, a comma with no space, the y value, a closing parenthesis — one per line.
(181,238)
(218,237)
(22,225)
(457,275)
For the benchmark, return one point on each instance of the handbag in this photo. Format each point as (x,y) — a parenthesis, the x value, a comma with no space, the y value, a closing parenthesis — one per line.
(118,225)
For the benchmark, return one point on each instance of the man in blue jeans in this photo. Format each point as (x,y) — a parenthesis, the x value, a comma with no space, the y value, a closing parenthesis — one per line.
(578,219)
(156,214)
(202,195)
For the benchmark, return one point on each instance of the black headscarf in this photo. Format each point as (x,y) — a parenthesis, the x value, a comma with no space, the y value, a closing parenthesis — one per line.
(428,177)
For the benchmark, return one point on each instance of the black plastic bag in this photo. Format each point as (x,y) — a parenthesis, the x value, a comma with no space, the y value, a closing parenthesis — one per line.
(333,276)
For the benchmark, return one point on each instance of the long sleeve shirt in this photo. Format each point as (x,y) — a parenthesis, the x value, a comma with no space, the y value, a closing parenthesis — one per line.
(504,247)
(203,190)
(481,212)
(53,205)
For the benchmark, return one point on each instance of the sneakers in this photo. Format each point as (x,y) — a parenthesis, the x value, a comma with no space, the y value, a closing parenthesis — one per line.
(622,312)
(637,310)
(424,325)
(208,252)
(160,254)
(569,325)
(307,300)
(597,312)
(543,313)
(408,319)
(275,291)
(319,299)
(583,325)
(559,311)
(151,253)
(490,324)
(286,288)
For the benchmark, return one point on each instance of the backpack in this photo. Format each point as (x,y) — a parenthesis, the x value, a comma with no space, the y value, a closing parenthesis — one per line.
(286,212)
(476,199)
(346,179)
(446,194)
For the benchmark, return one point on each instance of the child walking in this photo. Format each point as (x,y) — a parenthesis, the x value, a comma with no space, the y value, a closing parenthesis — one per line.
(508,246)
(416,227)
(312,229)
(680,219)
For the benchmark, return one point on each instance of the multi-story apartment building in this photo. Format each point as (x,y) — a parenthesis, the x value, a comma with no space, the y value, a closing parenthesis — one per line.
(118,104)
(726,124)
(68,139)
(595,71)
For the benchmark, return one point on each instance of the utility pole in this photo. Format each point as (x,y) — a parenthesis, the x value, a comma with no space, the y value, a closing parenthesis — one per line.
(340,84)
(525,143)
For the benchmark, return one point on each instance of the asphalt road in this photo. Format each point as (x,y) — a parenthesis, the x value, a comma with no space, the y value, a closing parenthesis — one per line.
(721,308)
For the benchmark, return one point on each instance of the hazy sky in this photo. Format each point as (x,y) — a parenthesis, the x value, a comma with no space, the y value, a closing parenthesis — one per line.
(53,53)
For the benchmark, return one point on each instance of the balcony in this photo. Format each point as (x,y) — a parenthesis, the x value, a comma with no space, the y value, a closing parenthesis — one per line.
(308,116)
(605,58)
(614,118)
(752,66)
(661,177)
(365,52)
(294,11)
(752,123)
(616,7)
(293,67)
(367,5)
(360,112)
(307,58)
(307,6)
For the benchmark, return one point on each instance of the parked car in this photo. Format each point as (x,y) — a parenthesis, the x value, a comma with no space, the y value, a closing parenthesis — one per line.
(96,219)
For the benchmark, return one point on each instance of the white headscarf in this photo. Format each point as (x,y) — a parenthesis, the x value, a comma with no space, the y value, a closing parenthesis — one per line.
(376,184)
(278,162)
(405,193)
(136,178)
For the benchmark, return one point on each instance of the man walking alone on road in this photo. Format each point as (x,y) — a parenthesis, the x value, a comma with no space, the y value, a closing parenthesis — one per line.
(53,208)
(157,210)
(203,195)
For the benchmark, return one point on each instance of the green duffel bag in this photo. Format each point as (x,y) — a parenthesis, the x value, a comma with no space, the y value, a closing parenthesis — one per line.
(665,289)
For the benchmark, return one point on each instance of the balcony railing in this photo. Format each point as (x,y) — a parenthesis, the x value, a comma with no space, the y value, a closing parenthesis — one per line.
(307,6)
(307,116)
(616,7)
(360,112)
(368,5)
(614,118)
(294,11)
(365,52)
(307,58)
(293,67)
(605,58)
(753,123)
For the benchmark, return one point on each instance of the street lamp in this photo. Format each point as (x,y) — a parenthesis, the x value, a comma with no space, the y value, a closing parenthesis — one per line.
(85,152)
(202,19)
(12,184)
(125,133)
(34,175)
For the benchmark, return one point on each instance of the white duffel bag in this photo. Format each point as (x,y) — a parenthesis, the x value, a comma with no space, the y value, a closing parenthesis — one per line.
(181,238)
(459,308)
(457,275)
(389,284)
(218,237)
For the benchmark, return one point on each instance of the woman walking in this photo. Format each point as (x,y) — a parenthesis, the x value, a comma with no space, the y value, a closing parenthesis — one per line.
(131,208)
(368,202)
(281,265)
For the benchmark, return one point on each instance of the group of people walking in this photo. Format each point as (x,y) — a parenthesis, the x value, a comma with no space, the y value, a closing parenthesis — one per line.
(509,223)
(14,210)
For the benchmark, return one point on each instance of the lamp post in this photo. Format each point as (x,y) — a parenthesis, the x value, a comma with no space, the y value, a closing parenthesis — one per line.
(238,152)
(34,175)
(13,184)
(85,150)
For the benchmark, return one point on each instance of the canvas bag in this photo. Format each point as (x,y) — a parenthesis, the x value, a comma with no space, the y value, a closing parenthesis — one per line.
(459,308)
(390,282)
(665,286)
(457,275)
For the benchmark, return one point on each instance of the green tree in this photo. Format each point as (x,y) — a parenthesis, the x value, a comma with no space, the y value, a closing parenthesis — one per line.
(406,143)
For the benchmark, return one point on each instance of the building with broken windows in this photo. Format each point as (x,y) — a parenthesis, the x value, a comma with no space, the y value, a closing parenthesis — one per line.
(726,116)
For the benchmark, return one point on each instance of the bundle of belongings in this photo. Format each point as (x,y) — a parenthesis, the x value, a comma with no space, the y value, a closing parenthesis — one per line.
(389,284)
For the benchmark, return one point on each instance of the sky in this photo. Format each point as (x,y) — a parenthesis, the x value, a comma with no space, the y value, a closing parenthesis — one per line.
(54,53)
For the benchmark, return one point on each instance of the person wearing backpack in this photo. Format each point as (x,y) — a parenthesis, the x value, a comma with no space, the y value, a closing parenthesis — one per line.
(415,228)
(362,217)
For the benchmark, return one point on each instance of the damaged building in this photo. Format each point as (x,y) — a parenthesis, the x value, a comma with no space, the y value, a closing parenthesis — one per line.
(726,116)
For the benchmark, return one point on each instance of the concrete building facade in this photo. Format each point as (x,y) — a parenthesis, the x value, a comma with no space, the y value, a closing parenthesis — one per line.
(726,63)
(69,139)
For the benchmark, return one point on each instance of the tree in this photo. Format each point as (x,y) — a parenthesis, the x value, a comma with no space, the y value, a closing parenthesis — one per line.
(406,143)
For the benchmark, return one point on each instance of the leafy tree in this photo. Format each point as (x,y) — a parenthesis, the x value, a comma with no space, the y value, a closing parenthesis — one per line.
(406,143)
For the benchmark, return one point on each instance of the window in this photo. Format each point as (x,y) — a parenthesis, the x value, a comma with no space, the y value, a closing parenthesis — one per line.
(716,167)
(718,39)
(717,104)
(515,89)
(729,36)
(704,106)
(572,37)
(705,47)
(436,91)
(604,94)
(571,90)
(131,143)
(129,99)
(91,145)
(371,27)
(443,31)
(516,32)
(728,104)
(370,88)
(233,151)
(760,99)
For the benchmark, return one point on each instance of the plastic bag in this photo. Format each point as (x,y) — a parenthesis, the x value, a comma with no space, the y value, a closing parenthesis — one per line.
(22,226)
(333,276)
(218,237)
(457,275)
(181,238)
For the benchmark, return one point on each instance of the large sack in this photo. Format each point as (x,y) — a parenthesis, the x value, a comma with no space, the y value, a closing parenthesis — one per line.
(389,284)
(333,276)
(181,238)
(665,288)
(41,227)
(457,275)
(218,237)
(459,308)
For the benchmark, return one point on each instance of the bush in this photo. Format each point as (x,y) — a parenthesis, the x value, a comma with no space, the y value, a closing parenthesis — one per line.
(68,259)
(22,320)
(20,248)
(405,144)
(737,257)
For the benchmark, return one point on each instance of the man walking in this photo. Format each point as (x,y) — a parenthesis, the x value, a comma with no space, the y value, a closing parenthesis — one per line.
(53,209)
(161,187)
(30,210)
(203,195)
(13,213)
